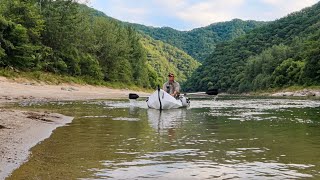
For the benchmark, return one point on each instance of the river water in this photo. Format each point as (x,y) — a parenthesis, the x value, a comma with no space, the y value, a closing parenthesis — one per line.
(224,138)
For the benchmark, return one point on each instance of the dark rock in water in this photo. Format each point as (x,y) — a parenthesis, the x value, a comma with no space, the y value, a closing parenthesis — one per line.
(212,92)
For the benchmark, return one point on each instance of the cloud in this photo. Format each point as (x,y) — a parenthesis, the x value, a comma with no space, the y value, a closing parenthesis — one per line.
(289,5)
(188,14)
(84,1)
(125,10)
(207,12)
(281,8)
(201,13)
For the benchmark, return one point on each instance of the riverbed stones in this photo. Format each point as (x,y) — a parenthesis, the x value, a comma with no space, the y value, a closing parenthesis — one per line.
(303,93)
(69,89)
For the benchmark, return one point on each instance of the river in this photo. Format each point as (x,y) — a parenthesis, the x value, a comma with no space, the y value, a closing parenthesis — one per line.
(230,137)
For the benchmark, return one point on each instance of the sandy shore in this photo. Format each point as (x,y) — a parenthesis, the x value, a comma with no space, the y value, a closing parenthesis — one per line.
(20,130)
(11,91)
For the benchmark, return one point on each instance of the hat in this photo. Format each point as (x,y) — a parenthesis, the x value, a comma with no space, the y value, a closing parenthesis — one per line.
(170,74)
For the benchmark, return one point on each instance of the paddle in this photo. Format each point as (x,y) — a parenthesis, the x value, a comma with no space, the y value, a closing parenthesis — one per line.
(209,92)
(133,96)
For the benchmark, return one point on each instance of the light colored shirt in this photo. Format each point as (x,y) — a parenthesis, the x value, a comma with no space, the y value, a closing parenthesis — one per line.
(171,87)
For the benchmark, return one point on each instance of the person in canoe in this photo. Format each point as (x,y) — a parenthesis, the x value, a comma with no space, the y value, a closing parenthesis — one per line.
(172,87)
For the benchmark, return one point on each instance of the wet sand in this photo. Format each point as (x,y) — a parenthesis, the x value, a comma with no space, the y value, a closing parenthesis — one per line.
(21,130)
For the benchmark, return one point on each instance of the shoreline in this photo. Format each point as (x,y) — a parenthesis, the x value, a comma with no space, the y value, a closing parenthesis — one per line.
(15,91)
(286,93)
(22,130)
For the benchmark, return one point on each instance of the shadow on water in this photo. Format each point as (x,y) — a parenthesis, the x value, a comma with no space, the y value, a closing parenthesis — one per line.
(247,138)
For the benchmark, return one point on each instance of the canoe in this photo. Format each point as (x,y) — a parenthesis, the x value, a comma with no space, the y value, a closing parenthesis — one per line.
(162,100)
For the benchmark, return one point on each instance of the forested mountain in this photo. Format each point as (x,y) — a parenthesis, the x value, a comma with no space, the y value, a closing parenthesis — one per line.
(161,57)
(200,43)
(59,37)
(164,58)
(283,53)
(64,37)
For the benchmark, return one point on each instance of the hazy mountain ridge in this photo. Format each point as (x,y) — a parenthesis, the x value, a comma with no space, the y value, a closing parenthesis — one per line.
(200,42)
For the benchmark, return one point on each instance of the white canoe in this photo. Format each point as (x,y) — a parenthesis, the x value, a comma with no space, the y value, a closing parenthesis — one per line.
(162,100)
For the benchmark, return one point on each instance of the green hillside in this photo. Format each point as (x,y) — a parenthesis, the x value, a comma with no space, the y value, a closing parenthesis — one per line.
(283,53)
(200,43)
(164,58)
(60,37)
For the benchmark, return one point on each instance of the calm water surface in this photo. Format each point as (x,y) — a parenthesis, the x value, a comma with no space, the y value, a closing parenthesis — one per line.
(226,138)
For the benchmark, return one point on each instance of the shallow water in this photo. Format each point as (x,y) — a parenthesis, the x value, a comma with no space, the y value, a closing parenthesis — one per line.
(226,138)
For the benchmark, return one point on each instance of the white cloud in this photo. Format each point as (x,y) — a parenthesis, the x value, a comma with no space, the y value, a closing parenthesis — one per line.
(207,12)
(172,4)
(84,1)
(132,15)
(126,11)
(195,13)
(298,5)
(290,5)
(281,8)
(202,12)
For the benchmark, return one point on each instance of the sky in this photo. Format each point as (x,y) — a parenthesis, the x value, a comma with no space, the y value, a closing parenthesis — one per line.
(190,14)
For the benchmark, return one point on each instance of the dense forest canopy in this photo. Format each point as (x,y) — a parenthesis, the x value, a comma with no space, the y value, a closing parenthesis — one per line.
(164,57)
(283,53)
(64,37)
(201,42)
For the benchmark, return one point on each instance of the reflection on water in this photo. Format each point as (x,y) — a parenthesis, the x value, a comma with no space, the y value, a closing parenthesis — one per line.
(166,120)
(229,138)
(148,169)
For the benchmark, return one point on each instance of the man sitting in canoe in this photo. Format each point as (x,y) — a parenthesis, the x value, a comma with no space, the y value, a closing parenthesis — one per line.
(172,87)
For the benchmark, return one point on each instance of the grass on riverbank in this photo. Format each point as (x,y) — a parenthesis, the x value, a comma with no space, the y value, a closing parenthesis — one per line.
(55,79)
